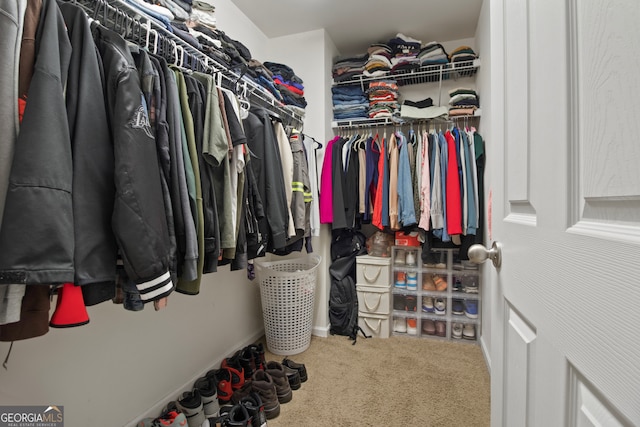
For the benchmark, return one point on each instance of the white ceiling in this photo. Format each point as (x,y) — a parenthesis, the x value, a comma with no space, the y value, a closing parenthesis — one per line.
(354,24)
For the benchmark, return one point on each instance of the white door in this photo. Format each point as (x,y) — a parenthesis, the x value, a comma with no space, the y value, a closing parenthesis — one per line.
(564,160)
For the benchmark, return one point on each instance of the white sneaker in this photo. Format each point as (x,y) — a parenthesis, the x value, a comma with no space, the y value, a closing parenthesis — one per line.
(469,332)
(400,325)
(440,306)
(456,330)
(411,258)
(401,256)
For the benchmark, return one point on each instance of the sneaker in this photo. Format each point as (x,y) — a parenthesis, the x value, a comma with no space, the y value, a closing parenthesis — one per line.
(190,404)
(302,370)
(412,281)
(410,259)
(457,307)
(253,403)
(222,378)
(456,330)
(263,384)
(471,309)
(469,331)
(401,257)
(428,327)
(441,284)
(293,376)
(248,361)
(411,303)
(400,325)
(427,305)
(277,372)
(238,417)
(168,419)
(237,371)
(441,329)
(401,280)
(471,288)
(258,356)
(399,302)
(427,283)
(241,393)
(208,389)
(457,285)
(412,326)
(440,306)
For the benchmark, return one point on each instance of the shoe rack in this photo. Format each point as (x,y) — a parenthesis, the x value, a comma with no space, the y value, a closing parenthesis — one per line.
(438,300)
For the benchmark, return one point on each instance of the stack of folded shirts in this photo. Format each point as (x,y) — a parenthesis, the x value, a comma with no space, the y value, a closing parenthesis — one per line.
(433,53)
(203,12)
(347,68)
(379,62)
(405,52)
(462,54)
(383,99)
(349,102)
(423,109)
(292,92)
(463,102)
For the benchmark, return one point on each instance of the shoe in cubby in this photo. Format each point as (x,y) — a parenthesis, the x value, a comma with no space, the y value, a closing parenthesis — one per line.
(440,282)
(427,283)
(400,325)
(399,302)
(401,280)
(441,328)
(410,259)
(428,327)
(469,331)
(456,330)
(401,257)
(440,306)
(471,309)
(412,281)
(412,326)
(411,302)
(427,305)
(457,307)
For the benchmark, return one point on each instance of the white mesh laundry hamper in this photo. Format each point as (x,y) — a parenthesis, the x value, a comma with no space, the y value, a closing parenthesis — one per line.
(287,291)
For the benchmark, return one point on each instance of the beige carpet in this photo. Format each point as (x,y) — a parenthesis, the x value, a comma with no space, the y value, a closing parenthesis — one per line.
(393,382)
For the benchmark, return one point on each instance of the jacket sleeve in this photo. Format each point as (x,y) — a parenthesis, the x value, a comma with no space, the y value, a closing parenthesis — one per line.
(139,220)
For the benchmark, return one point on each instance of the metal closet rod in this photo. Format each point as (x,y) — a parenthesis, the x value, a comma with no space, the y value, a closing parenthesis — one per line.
(152,35)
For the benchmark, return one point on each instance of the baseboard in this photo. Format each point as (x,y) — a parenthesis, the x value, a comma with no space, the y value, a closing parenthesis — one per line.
(486,354)
(321,331)
(156,409)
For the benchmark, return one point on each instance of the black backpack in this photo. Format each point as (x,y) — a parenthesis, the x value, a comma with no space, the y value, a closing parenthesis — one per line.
(343,299)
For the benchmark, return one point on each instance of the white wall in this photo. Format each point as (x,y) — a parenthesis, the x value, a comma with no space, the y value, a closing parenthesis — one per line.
(483,87)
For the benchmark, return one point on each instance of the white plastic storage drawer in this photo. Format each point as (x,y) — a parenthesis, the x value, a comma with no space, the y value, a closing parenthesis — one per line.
(374,299)
(373,271)
(374,325)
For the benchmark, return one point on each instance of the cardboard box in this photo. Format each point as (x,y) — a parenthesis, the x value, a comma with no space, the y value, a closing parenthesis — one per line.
(410,239)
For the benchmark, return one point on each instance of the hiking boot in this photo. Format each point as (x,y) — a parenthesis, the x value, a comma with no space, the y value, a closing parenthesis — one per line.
(190,404)
(263,384)
(241,393)
(293,376)
(208,389)
(302,370)
(283,390)
(253,403)
(222,378)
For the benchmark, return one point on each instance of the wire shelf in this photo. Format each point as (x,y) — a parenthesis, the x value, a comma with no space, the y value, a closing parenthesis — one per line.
(426,74)
(137,27)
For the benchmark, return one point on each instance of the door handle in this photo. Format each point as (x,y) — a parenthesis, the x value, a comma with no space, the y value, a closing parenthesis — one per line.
(479,254)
